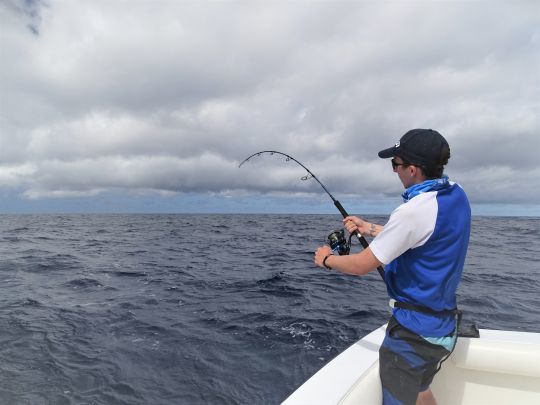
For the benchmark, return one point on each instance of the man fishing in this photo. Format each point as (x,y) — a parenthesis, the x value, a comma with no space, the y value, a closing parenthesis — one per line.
(423,246)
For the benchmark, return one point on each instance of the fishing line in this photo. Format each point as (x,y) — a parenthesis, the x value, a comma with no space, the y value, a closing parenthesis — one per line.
(310,175)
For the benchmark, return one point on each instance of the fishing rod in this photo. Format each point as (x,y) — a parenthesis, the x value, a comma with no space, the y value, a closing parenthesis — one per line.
(310,175)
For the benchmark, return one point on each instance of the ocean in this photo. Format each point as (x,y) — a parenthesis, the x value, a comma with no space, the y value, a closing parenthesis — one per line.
(210,309)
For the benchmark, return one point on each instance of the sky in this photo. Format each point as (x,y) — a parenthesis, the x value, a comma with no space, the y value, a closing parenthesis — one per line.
(150,106)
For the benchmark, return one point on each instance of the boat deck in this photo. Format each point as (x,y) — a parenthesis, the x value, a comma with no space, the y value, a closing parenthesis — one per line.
(500,367)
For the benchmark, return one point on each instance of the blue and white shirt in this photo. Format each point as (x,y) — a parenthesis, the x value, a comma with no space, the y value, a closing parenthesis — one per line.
(423,246)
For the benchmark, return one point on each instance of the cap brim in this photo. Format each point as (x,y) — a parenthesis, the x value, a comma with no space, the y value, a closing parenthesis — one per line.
(388,153)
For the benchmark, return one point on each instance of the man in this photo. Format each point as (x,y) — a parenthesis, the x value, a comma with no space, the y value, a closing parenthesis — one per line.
(423,246)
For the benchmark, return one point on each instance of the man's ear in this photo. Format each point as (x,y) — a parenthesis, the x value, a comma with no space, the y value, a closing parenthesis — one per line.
(415,171)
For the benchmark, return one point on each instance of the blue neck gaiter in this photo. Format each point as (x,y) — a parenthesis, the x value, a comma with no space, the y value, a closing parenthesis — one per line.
(427,185)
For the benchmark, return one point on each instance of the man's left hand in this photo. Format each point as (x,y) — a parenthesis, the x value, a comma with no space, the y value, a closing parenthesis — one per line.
(321,253)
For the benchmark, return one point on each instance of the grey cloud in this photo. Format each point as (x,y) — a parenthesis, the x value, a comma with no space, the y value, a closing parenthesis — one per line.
(172,96)
(28,11)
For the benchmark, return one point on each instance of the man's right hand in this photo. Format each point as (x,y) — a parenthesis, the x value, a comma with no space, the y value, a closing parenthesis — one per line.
(353,223)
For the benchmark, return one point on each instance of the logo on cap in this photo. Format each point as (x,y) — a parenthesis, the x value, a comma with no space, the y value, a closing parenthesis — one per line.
(396,145)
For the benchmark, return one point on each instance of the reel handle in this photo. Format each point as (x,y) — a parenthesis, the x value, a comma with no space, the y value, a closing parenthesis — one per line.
(361,239)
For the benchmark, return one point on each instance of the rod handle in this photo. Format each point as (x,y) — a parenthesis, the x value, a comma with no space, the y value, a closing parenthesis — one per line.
(361,239)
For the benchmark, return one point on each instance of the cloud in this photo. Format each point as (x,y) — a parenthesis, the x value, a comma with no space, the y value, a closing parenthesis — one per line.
(171,96)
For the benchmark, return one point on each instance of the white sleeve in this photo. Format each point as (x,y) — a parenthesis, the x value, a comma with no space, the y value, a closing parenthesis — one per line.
(410,225)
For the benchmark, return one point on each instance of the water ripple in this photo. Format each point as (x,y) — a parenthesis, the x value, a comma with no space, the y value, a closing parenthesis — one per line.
(154,309)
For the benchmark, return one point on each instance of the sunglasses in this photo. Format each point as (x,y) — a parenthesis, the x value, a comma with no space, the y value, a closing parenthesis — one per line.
(396,164)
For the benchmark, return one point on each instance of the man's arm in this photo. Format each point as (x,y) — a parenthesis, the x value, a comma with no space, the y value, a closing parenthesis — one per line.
(357,264)
(353,223)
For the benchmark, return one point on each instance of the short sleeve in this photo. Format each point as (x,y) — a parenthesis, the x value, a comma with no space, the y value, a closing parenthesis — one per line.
(410,226)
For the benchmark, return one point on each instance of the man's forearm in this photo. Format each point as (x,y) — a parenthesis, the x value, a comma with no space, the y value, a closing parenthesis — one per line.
(356,264)
(374,229)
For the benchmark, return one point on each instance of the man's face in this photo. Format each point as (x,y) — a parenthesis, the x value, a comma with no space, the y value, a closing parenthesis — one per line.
(403,171)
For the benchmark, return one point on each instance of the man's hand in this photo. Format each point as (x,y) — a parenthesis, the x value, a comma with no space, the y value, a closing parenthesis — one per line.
(353,223)
(321,253)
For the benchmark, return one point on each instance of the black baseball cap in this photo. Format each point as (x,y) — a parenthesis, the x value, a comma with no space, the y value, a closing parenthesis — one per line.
(418,146)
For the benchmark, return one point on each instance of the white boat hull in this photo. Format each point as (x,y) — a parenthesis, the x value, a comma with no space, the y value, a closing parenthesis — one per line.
(499,367)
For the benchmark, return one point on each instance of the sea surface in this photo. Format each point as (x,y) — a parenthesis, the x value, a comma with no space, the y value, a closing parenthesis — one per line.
(209,309)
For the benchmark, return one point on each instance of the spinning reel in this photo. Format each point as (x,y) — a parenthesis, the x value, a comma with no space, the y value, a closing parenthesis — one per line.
(338,243)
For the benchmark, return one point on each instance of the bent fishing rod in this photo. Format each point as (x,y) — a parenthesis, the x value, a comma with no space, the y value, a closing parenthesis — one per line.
(310,175)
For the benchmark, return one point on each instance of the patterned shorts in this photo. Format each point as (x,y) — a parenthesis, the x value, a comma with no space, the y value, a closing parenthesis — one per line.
(408,364)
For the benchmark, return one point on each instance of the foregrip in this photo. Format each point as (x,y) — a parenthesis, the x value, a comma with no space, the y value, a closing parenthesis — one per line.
(362,240)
